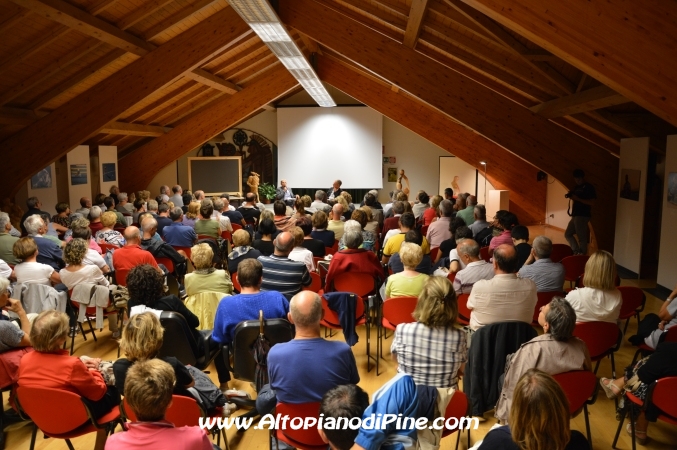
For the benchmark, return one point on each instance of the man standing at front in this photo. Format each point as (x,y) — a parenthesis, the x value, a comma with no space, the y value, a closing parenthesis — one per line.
(304,369)
(583,196)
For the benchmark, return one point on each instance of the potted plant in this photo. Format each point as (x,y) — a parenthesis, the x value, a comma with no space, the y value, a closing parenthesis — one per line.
(266,192)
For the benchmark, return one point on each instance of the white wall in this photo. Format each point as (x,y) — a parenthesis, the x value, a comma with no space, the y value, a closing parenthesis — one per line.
(630,213)
(79,155)
(667,260)
(556,205)
(452,167)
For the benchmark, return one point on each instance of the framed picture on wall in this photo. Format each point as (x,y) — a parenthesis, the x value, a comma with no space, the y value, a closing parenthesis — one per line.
(630,180)
(78,174)
(672,188)
(392,174)
(108,172)
(42,179)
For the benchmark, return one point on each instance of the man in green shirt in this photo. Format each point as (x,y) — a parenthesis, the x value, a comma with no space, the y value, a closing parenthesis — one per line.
(468,214)
(6,240)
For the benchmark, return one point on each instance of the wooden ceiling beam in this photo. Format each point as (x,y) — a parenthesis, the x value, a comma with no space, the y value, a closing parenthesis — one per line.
(100,6)
(170,108)
(310,44)
(527,196)
(14,20)
(134,129)
(155,104)
(211,80)
(588,100)
(415,22)
(176,18)
(136,16)
(531,137)
(87,113)
(625,45)
(32,48)
(138,168)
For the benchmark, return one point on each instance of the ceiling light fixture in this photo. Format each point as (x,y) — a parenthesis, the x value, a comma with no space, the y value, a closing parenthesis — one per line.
(262,18)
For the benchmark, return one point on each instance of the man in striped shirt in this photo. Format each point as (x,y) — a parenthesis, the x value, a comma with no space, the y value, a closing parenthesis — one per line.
(475,268)
(548,275)
(281,273)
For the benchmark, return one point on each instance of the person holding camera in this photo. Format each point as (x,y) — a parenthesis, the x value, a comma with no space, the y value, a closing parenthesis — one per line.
(583,196)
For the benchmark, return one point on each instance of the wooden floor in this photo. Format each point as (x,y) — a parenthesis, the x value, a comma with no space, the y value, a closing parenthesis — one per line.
(602,414)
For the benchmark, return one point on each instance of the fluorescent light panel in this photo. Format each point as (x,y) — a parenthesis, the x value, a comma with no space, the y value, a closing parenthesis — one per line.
(264,21)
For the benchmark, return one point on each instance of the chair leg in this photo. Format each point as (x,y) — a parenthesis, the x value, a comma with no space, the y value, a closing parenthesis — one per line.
(458,438)
(625,330)
(70,446)
(634,358)
(597,366)
(91,328)
(587,424)
(613,367)
(618,431)
(632,426)
(35,433)
(225,438)
(82,330)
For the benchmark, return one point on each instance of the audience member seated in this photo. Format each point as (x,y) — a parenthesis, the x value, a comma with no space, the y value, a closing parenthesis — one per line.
(178,234)
(205,225)
(475,268)
(54,230)
(459,232)
(76,270)
(504,297)
(395,261)
(392,243)
(81,224)
(163,219)
(468,213)
(347,211)
(160,249)
(29,270)
(299,252)
(409,282)
(433,349)
(107,235)
(315,246)
(548,275)
(265,243)
(85,206)
(342,402)
(637,380)
(421,205)
(95,223)
(34,206)
(99,201)
(370,200)
(393,222)
(234,215)
(148,394)
(250,213)
(11,336)
(241,250)
(177,198)
(124,206)
(430,214)
(51,367)
(599,300)
(652,327)
(92,257)
(480,223)
(320,202)
(372,225)
(555,351)
(320,231)
(504,222)
(246,306)
(305,368)
(7,240)
(281,273)
(336,225)
(139,208)
(109,203)
(438,231)
(539,418)
(217,214)
(354,259)
(206,277)
(520,239)
(283,222)
(132,255)
(48,252)
(191,215)
(63,214)
(187,200)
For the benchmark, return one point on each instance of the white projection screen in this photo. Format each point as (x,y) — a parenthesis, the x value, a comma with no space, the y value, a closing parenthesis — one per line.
(319,145)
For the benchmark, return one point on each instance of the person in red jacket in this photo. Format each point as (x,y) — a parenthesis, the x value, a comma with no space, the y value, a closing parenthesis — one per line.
(354,259)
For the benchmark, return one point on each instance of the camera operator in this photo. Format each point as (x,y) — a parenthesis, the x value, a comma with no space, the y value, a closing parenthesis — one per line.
(583,197)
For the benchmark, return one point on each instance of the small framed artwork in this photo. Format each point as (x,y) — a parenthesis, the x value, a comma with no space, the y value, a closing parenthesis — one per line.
(78,174)
(392,174)
(42,179)
(108,172)
(630,180)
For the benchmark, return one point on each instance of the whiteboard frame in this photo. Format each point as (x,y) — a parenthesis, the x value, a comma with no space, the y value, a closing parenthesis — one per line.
(212,158)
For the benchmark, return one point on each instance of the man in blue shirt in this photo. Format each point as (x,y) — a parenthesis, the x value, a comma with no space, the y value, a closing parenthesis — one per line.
(305,368)
(178,234)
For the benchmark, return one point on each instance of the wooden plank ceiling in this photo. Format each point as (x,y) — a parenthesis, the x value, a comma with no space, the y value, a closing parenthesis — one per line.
(123,72)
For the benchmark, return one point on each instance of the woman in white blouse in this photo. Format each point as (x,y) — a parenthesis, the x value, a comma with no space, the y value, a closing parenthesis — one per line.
(29,270)
(599,300)
(77,271)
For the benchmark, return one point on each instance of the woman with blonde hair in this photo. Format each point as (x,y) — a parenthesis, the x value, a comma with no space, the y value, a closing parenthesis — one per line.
(431,214)
(191,216)
(372,225)
(433,349)
(599,300)
(107,235)
(242,250)
(409,282)
(206,277)
(539,418)
(347,212)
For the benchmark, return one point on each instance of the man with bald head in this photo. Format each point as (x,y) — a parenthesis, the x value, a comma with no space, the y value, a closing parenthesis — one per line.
(85,206)
(336,224)
(305,368)
(281,273)
(505,297)
(132,255)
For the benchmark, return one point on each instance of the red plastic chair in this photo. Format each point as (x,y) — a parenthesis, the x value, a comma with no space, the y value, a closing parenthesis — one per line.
(236,283)
(227,235)
(331,318)
(90,313)
(634,301)
(331,250)
(484,254)
(168,263)
(121,277)
(433,253)
(236,227)
(671,336)
(308,439)
(360,283)
(206,236)
(452,276)
(602,338)
(560,251)
(395,311)
(574,266)
(61,414)
(316,285)
(663,395)
(580,388)
(424,230)
(463,311)
(543,299)
(458,408)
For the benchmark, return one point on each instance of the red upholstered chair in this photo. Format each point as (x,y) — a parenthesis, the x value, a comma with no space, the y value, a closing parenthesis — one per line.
(574,266)
(602,338)
(463,311)
(543,299)
(484,254)
(168,263)
(331,250)
(395,311)
(357,282)
(424,230)
(663,395)
(559,252)
(633,303)
(61,414)
(236,227)
(580,388)
(236,283)
(456,408)
(308,439)
(433,253)
(316,285)
(186,250)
